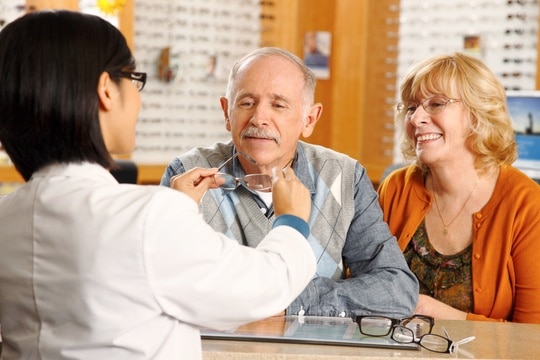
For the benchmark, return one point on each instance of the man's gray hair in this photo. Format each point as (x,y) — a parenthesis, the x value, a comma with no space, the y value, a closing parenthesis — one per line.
(309,77)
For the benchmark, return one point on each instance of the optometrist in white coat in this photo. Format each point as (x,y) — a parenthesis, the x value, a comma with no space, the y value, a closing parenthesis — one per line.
(93,269)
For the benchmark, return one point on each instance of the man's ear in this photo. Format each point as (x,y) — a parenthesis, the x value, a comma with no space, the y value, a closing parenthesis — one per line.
(311,119)
(225,107)
(104,91)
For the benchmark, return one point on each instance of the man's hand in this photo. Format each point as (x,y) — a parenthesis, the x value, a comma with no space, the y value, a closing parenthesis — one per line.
(289,195)
(196,182)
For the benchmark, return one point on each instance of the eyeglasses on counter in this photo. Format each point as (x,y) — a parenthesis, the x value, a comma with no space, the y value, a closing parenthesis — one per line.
(415,329)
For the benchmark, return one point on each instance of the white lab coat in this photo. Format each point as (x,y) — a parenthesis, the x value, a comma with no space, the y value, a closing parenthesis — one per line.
(90,269)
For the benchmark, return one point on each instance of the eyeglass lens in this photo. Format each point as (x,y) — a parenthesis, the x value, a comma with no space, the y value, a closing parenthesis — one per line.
(432,105)
(381,325)
(137,78)
(431,342)
(419,324)
(256,182)
(375,325)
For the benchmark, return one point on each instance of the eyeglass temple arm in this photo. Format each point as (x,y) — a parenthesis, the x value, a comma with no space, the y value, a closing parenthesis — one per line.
(289,163)
(250,159)
(455,344)
(466,340)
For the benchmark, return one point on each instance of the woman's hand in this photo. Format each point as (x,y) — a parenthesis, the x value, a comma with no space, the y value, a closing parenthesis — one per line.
(289,195)
(196,182)
(438,310)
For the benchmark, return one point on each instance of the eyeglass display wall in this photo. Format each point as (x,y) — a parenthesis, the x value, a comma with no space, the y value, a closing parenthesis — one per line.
(503,33)
(10,10)
(187,48)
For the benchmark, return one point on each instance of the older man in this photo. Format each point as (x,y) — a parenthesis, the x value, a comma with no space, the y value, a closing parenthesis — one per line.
(269,104)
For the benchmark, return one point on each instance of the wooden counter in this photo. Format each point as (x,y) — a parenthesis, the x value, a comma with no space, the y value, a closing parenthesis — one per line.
(493,341)
(148,173)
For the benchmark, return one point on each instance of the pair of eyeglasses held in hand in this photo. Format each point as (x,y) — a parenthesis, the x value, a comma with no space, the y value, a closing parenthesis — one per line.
(255,182)
(414,329)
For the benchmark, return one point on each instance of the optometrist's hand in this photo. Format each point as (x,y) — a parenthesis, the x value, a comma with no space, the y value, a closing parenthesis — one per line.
(196,182)
(289,195)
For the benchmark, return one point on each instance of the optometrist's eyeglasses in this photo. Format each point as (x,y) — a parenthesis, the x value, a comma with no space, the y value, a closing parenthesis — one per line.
(432,106)
(137,78)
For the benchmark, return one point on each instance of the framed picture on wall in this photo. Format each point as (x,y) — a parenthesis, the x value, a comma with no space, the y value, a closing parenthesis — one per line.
(317,46)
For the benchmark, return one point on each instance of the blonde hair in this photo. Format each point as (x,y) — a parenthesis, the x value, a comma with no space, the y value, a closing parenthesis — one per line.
(464,77)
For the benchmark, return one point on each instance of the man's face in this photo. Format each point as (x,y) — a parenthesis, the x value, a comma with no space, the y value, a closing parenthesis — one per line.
(267,116)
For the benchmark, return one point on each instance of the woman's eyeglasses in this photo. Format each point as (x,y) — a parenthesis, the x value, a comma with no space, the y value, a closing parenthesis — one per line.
(415,329)
(432,106)
(138,78)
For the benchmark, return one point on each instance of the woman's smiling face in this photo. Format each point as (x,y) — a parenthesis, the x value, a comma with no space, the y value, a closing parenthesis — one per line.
(440,136)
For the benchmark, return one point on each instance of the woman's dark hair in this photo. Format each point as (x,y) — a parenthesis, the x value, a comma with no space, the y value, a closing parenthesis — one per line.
(50,64)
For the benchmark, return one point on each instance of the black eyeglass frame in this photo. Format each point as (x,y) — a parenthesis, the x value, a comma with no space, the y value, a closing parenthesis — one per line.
(137,78)
(394,322)
(422,340)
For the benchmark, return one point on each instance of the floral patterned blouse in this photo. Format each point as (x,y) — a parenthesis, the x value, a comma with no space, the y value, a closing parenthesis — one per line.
(446,278)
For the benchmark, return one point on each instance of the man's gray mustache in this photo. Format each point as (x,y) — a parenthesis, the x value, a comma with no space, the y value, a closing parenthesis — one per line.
(261,133)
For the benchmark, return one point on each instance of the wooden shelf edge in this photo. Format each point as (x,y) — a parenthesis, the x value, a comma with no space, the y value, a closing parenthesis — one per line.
(148,174)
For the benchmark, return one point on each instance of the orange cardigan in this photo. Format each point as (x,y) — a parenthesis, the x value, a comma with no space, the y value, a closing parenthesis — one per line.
(506,240)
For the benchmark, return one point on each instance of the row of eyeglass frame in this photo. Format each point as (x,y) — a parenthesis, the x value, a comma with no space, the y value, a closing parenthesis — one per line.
(414,329)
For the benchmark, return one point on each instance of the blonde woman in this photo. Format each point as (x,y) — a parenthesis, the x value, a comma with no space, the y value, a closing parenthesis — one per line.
(467,221)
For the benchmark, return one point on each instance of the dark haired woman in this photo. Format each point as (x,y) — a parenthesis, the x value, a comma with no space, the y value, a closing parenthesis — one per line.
(93,269)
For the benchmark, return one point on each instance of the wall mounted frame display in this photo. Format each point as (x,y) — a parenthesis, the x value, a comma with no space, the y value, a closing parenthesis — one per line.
(187,48)
(502,33)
